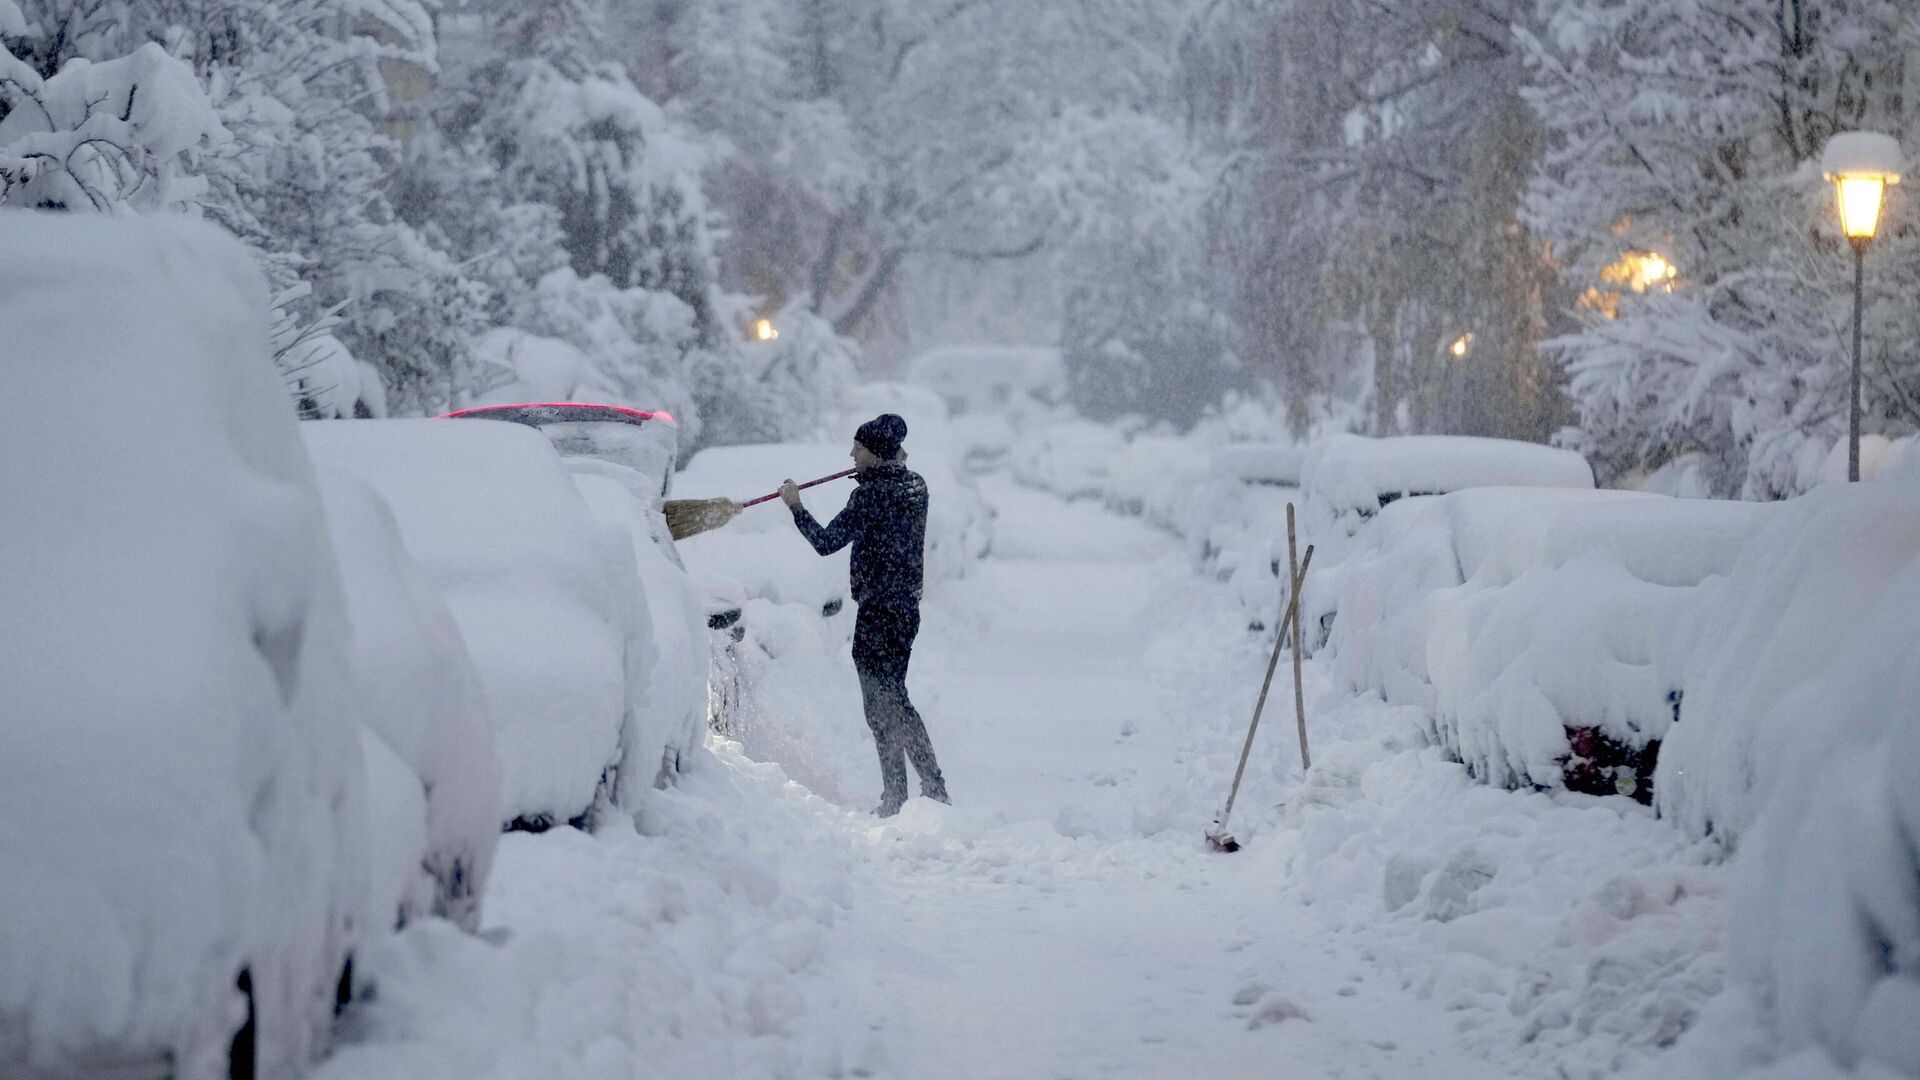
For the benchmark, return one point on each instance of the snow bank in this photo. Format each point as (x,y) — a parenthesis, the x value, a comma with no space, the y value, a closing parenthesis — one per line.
(498,524)
(420,695)
(1797,741)
(714,942)
(180,779)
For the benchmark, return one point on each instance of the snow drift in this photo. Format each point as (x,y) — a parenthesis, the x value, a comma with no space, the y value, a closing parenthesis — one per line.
(1797,742)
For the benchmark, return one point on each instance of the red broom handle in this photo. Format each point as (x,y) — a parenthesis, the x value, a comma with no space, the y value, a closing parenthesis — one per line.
(808,484)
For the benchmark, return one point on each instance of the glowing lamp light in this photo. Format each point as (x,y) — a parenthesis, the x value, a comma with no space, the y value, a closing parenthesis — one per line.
(1461,346)
(1861,164)
(763,330)
(1655,270)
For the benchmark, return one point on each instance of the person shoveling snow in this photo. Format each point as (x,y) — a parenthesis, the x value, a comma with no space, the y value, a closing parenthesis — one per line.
(886,522)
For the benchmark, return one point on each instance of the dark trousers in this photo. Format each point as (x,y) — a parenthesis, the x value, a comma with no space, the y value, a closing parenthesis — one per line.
(882,648)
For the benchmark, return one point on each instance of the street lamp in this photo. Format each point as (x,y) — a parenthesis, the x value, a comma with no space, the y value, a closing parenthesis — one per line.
(1861,165)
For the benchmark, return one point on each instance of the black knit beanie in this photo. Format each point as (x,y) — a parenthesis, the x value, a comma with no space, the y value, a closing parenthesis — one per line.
(883,435)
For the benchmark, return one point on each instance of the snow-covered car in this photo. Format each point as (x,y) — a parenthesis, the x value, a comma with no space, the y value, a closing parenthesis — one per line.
(991,378)
(1525,623)
(182,868)
(433,785)
(623,459)
(1237,523)
(1346,479)
(541,595)
(1071,457)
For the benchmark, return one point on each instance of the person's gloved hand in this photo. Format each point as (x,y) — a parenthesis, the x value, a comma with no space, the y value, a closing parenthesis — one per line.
(789,493)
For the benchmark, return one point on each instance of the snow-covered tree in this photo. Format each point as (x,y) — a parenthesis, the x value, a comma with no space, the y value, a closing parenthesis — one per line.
(1369,214)
(1682,194)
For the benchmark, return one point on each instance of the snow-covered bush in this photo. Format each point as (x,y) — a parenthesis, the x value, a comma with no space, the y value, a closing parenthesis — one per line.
(108,136)
(420,698)
(1797,743)
(179,767)
(537,591)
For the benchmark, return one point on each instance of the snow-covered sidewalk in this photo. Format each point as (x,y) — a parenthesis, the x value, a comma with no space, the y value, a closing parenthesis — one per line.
(1389,918)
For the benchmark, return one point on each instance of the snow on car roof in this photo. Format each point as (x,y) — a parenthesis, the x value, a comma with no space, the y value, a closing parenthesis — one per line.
(1354,472)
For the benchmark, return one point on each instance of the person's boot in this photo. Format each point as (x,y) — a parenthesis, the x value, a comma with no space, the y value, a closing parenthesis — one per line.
(936,792)
(888,807)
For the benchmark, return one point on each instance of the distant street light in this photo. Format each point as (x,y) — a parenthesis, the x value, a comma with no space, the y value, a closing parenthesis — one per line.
(763,330)
(1461,346)
(1861,165)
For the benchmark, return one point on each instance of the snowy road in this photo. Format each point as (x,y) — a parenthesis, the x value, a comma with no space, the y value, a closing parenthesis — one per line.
(1109,955)
(1389,918)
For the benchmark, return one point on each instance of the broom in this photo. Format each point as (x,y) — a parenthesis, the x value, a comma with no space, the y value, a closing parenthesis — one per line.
(691,517)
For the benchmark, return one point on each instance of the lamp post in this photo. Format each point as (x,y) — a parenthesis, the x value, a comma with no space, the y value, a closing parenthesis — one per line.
(1861,165)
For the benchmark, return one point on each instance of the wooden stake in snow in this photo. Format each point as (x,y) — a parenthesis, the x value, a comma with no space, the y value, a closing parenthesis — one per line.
(1296,574)
(1218,838)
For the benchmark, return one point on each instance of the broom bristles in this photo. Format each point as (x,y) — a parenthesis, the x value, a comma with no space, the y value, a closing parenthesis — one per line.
(690,517)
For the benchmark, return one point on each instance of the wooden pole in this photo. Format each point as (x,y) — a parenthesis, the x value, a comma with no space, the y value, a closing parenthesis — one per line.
(1279,642)
(1296,574)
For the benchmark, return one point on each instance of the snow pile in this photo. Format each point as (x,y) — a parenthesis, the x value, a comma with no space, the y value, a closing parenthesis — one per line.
(497,522)
(1526,622)
(422,704)
(180,784)
(1797,742)
(1879,457)
(707,943)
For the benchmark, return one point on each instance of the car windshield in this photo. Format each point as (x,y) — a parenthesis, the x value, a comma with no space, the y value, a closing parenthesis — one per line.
(648,449)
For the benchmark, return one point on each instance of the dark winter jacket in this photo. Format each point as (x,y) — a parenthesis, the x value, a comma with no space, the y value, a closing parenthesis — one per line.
(886,522)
